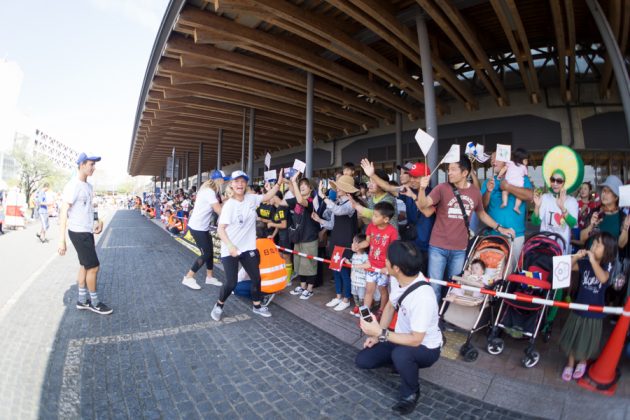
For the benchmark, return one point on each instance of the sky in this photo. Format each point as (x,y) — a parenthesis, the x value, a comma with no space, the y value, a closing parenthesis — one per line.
(83,63)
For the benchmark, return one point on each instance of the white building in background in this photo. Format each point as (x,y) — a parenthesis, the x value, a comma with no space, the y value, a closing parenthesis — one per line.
(62,155)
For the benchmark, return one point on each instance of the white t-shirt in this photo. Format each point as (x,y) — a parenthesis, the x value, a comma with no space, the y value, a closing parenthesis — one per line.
(551,219)
(418,312)
(200,218)
(240,218)
(81,213)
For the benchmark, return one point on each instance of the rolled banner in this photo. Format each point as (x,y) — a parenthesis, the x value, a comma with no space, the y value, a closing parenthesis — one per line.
(567,160)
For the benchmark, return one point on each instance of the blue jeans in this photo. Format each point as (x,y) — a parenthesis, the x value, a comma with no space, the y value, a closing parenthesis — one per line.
(443,264)
(342,282)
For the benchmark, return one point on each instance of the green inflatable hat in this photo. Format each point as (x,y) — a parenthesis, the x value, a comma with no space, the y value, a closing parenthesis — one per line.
(567,160)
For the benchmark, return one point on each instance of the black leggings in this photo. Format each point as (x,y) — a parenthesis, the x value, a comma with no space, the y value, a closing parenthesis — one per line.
(204,243)
(250,260)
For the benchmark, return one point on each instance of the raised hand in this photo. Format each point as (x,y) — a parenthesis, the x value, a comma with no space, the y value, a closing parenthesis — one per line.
(424,182)
(562,198)
(490,184)
(537,199)
(368,167)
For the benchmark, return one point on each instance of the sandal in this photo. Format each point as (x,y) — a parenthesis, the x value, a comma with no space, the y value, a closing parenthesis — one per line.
(567,374)
(580,370)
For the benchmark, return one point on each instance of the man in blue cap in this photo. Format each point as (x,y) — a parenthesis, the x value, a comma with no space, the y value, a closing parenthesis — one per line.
(82,222)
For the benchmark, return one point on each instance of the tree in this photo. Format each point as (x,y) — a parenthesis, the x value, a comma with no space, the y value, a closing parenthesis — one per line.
(34,169)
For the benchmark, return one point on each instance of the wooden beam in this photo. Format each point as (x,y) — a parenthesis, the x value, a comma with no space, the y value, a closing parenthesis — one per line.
(288,51)
(512,24)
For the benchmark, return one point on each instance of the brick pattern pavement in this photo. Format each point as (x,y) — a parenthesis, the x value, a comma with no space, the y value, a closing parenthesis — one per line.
(161,356)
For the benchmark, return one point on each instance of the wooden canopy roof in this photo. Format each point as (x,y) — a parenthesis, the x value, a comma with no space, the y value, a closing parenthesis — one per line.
(213,60)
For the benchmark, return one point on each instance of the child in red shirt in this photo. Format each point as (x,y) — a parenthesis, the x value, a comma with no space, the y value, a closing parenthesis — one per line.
(378,236)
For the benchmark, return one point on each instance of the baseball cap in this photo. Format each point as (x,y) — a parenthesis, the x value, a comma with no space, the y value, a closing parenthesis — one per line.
(217,174)
(238,174)
(407,166)
(83,157)
(419,169)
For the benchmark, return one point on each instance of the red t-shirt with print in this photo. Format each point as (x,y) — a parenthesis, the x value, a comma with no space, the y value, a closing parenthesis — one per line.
(380,239)
(449,231)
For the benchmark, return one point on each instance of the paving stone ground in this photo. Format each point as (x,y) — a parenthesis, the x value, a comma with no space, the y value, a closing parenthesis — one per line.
(160,355)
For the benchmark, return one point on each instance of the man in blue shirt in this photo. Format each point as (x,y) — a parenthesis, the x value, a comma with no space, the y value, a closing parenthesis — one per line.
(42,202)
(506,216)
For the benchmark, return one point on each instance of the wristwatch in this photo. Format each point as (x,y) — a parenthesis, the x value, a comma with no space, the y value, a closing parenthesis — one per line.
(384,335)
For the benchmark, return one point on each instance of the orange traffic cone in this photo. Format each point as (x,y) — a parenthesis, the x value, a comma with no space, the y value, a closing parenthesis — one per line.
(602,376)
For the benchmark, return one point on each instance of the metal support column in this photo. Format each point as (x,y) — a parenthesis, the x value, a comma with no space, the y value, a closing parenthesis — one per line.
(199,166)
(173,171)
(250,148)
(615,56)
(430,113)
(219,149)
(398,142)
(186,169)
(309,125)
(243,142)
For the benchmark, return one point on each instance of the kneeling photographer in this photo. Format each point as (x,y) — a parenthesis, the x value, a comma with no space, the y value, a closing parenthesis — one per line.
(417,340)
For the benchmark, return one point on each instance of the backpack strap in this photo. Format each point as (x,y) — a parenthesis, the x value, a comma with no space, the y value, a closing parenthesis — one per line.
(408,291)
(461,206)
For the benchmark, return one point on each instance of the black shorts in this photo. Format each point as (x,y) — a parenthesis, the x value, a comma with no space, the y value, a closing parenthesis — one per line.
(84,244)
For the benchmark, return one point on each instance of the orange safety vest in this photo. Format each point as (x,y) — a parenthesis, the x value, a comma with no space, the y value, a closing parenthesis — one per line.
(273,272)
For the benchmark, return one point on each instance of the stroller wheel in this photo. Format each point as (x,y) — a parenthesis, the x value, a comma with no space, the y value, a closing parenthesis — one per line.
(531,359)
(495,346)
(471,355)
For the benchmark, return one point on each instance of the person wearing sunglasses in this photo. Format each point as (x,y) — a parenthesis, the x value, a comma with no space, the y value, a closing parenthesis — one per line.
(556,211)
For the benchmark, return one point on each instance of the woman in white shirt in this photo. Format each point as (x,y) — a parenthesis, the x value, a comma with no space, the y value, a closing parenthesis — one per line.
(417,340)
(199,227)
(237,230)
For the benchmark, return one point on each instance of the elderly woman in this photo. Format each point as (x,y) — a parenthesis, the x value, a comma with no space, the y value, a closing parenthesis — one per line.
(609,218)
(555,211)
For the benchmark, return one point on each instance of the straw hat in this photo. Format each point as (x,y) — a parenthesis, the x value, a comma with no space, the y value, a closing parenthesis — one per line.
(345,183)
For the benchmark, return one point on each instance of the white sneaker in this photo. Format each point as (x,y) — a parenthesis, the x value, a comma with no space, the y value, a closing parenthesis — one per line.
(306,295)
(262,311)
(216,313)
(342,306)
(334,302)
(191,282)
(213,281)
(297,291)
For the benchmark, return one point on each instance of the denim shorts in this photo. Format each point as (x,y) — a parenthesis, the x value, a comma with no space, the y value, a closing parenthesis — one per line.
(378,278)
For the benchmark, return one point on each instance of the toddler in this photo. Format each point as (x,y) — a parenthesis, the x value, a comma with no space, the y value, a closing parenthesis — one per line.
(514,172)
(358,274)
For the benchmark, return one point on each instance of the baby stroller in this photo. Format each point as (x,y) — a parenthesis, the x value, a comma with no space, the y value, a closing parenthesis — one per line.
(472,311)
(532,278)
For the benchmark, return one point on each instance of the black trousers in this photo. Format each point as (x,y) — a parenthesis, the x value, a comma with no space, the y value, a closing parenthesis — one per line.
(407,360)
(250,260)
(204,243)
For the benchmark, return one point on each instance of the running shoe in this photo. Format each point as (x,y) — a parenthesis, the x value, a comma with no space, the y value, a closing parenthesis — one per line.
(217,312)
(262,311)
(297,291)
(81,305)
(213,281)
(266,299)
(191,282)
(101,309)
(306,295)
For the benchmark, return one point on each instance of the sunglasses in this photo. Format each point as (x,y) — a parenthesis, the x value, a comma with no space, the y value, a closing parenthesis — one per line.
(556,180)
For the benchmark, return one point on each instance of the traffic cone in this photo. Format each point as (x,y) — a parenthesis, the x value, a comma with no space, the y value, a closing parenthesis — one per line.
(602,376)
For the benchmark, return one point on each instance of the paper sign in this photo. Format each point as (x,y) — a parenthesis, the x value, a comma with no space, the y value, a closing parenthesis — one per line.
(271,175)
(289,172)
(336,259)
(504,153)
(471,149)
(453,154)
(267,160)
(424,140)
(561,272)
(298,165)
(624,196)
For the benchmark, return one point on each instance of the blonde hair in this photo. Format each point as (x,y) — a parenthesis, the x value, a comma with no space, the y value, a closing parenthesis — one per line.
(209,184)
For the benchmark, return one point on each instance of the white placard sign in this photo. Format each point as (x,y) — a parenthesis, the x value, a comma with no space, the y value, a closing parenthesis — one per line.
(453,155)
(298,165)
(624,196)
(424,140)
(504,153)
(271,175)
(561,272)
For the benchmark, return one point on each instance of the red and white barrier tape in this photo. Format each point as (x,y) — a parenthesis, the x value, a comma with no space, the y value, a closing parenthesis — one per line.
(614,310)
